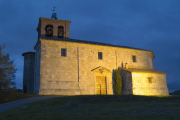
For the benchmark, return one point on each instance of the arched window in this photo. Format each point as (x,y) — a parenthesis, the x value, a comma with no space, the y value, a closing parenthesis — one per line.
(49,30)
(60,32)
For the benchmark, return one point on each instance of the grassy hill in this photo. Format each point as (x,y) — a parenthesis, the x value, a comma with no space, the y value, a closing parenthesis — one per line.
(107,107)
(175,93)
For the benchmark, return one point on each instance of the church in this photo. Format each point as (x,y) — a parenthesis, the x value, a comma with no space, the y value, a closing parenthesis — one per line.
(64,66)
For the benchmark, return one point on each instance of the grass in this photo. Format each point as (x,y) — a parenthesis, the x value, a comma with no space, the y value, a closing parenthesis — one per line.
(12,96)
(124,107)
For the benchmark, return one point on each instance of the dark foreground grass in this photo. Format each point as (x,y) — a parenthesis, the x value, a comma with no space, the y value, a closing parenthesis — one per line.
(125,107)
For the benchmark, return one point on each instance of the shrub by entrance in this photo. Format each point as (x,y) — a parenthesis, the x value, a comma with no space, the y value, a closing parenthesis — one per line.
(118,82)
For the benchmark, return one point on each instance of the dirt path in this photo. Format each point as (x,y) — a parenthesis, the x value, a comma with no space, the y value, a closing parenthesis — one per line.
(22,102)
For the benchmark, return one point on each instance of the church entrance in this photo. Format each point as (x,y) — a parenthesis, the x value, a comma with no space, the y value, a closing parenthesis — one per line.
(100,85)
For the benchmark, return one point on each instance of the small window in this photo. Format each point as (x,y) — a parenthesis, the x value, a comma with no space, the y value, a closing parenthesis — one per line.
(134,58)
(150,79)
(100,55)
(49,30)
(63,52)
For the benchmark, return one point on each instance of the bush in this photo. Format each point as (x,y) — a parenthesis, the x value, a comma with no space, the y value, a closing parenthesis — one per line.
(118,82)
(8,95)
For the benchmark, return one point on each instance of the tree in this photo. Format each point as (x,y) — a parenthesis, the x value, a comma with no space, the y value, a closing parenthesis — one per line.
(118,82)
(7,71)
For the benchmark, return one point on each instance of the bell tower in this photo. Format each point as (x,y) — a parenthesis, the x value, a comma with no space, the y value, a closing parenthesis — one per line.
(53,28)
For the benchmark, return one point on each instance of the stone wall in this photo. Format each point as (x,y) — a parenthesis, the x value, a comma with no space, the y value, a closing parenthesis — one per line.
(74,72)
(37,69)
(126,81)
(142,85)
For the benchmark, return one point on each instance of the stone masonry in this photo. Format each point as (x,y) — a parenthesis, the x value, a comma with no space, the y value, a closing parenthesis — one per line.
(135,81)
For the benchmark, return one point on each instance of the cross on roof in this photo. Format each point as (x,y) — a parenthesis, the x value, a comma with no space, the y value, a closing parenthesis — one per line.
(54,15)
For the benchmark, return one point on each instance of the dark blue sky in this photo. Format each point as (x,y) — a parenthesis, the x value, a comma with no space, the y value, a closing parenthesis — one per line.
(146,24)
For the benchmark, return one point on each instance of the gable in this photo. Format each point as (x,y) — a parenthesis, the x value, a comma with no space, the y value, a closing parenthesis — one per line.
(101,69)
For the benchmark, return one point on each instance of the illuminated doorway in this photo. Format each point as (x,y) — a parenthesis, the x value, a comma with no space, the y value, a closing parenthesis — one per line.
(101,85)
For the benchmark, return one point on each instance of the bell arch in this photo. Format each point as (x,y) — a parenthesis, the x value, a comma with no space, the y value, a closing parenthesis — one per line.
(60,31)
(49,30)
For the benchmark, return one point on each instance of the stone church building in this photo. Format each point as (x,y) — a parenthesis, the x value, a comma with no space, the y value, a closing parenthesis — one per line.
(64,66)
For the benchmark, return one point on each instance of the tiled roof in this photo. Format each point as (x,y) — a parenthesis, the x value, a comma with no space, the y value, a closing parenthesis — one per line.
(140,70)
